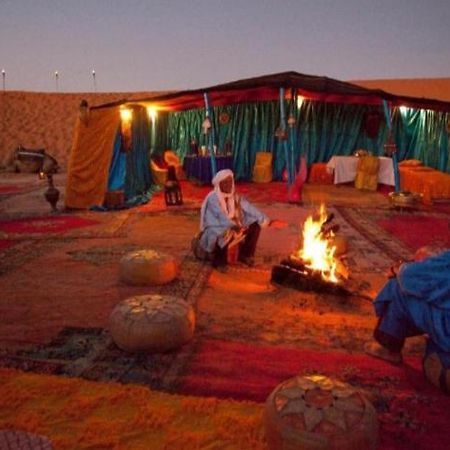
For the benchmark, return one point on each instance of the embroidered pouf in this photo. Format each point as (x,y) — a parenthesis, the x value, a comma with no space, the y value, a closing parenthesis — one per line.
(436,366)
(148,267)
(316,412)
(152,323)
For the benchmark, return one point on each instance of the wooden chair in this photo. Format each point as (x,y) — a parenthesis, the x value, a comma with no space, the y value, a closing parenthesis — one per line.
(262,170)
(367,173)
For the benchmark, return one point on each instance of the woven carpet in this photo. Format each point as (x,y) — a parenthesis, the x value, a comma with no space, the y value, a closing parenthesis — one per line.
(90,352)
(418,230)
(78,414)
(193,195)
(412,413)
(44,225)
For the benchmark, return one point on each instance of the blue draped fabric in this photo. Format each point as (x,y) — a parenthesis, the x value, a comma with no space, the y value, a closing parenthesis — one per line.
(117,170)
(419,298)
(322,130)
(422,134)
(138,179)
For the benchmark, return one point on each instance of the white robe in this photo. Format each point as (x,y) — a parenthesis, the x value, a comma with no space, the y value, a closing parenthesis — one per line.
(216,223)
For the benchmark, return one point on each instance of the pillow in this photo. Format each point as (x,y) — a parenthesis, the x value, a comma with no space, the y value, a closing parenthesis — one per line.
(410,163)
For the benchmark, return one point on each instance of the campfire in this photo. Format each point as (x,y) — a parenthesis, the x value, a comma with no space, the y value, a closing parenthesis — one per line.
(314,265)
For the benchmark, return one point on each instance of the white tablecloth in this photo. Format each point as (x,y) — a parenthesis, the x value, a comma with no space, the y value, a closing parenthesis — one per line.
(344,168)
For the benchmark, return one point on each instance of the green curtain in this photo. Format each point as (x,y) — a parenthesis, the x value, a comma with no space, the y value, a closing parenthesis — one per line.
(322,130)
(138,179)
(422,134)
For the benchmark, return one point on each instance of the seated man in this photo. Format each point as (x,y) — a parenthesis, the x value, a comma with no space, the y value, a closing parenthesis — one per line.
(228,219)
(416,301)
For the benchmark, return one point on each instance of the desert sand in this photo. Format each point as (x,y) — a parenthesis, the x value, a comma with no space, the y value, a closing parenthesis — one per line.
(45,120)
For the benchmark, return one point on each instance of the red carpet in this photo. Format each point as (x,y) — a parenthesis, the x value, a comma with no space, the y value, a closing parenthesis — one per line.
(195,194)
(412,413)
(44,225)
(9,189)
(417,231)
(4,244)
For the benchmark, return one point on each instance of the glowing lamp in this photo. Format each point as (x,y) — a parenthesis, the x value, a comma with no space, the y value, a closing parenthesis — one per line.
(300,101)
(152,113)
(403,109)
(126,114)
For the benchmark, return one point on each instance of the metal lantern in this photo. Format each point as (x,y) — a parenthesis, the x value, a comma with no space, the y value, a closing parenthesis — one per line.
(172,189)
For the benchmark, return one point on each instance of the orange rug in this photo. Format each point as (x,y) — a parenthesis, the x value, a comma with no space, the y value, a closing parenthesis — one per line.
(74,413)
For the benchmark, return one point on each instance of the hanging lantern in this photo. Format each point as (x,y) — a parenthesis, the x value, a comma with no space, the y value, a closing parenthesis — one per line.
(291,121)
(206,125)
(172,188)
(281,134)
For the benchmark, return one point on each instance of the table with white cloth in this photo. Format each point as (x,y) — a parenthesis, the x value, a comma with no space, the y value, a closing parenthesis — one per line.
(344,169)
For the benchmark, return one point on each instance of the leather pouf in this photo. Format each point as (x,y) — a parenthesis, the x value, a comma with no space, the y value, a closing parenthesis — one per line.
(436,366)
(148,267)
(152,323)
(316,412)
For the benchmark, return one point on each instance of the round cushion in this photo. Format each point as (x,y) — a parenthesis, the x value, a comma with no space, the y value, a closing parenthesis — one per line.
(316,412)
(436,366)
(152,323)
(148,267)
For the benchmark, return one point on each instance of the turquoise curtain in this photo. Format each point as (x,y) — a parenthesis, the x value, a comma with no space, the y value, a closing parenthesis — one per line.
(158,133)
(138,180)
(322,130)
(422,134)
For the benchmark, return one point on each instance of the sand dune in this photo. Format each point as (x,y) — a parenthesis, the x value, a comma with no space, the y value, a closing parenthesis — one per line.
(45,120)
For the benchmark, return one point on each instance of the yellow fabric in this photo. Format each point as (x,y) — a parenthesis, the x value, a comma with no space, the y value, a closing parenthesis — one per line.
(262,170)
(158,173)
(410,163)
(431,183)
(79,414)
(367,173)
(90,159)
(171,158)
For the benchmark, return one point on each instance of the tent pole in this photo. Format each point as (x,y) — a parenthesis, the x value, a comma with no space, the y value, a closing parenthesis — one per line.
(388,116)
(283,129)
(210,138)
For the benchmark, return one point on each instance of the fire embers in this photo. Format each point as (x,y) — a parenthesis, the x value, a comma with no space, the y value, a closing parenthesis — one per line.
(314,266)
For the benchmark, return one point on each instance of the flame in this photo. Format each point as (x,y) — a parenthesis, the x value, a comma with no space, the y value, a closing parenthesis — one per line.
(317,252)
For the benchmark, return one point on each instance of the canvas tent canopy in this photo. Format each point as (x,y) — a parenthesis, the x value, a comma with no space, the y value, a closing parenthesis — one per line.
(329,117)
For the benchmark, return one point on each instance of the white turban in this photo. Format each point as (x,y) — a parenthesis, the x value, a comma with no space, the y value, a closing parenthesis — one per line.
(227,201)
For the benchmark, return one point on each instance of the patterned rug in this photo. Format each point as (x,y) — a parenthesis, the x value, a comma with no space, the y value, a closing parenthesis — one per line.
(399,235)
(44,225)
(90,353)
(412,413)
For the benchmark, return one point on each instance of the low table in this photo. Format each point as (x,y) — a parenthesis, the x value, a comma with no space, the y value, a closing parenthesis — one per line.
(199,167)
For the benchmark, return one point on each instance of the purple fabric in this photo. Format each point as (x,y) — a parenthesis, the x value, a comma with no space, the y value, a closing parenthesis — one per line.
(199,167)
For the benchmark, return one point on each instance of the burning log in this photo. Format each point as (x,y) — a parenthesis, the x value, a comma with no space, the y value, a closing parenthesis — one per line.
(314,266)
(292,272)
